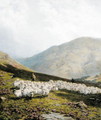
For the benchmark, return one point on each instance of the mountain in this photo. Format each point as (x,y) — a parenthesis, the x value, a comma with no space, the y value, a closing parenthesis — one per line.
(78,58)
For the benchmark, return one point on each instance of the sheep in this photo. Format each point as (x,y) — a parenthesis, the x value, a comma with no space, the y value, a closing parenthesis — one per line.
(27,92)
(17,83)
(18,93)
(30,89)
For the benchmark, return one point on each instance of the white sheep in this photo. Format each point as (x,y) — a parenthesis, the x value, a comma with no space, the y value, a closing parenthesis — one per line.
(18,93)
(29,88)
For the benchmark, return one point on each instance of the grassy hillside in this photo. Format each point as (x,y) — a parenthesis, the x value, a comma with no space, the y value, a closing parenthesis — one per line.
(6,59)
(64,102)
(72,104)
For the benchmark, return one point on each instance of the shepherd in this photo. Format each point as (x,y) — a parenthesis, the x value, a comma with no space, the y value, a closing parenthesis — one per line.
(33,77)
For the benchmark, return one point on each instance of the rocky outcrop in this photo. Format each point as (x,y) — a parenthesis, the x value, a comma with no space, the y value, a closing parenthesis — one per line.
(2,99)
(56,116)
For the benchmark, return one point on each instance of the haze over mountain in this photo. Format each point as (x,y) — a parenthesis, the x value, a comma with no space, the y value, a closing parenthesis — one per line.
(78,58)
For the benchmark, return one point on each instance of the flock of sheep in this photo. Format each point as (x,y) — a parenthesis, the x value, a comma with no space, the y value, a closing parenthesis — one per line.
(30,88)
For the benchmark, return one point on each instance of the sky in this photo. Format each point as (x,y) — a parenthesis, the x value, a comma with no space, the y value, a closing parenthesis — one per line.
(28,27)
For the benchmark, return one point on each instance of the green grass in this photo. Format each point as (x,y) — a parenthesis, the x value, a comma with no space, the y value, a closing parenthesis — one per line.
(57,101)
(64,102)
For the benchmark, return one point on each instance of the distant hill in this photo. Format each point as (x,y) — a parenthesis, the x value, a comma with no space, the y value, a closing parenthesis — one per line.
(78,58)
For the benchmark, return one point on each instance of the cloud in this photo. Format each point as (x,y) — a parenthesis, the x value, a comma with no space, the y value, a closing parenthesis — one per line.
(30,26)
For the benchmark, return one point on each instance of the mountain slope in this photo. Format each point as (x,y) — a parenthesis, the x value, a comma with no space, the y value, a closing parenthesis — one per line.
(78,58)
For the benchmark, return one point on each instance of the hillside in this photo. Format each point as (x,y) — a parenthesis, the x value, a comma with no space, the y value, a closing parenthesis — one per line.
(10,65)
(63,104)
(5,59)
(78,58)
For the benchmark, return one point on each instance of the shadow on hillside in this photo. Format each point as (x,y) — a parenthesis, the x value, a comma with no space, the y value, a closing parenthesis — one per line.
(21,73)
(92,99)
(28,75)
(27,98)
